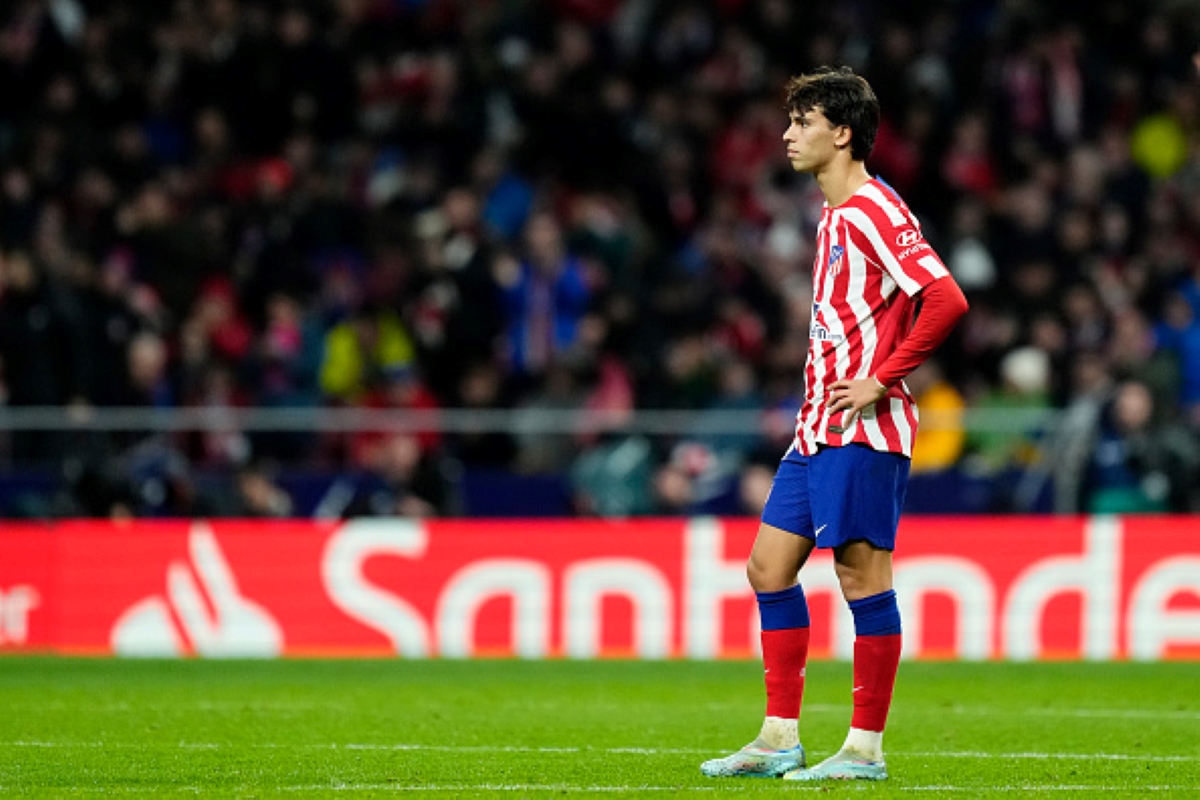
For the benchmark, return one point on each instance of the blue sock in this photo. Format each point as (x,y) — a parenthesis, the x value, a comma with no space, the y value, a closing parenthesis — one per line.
(877,615)
(783,610)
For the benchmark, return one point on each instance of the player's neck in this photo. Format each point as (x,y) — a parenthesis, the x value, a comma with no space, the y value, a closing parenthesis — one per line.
(840,179)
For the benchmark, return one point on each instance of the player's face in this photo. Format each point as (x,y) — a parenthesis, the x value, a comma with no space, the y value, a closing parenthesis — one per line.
(811,140)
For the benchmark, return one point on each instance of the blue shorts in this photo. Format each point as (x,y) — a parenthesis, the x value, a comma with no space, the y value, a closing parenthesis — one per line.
(839,495)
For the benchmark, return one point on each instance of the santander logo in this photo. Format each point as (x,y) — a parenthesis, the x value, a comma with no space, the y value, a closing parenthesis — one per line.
(202,611)
(1077,587)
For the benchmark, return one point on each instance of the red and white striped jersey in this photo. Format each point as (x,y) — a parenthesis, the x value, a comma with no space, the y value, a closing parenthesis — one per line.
(871,260)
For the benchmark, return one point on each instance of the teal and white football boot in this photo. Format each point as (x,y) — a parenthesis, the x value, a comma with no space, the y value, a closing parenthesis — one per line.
(845,766)
(755,760)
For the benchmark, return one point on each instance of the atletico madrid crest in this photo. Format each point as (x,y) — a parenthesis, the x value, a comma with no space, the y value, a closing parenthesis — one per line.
(835,258)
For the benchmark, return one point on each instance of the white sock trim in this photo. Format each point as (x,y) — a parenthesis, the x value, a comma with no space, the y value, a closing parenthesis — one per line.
(779,733)
(867,744)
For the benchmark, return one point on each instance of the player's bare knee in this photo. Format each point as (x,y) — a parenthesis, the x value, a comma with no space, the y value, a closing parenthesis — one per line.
(851,586)
(767,577)
(854,583)
(755,574)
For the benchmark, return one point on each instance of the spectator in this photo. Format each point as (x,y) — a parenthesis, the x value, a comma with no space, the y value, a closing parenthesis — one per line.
(1070,448)
(545,295)
(286,358)
(148,379)
(540,451)
(258,495)
(219,320)
(614,478)
(43,352)
(401,481)
(479,445)
(221,445)
(114,311)
(282,371)
(1139,465)
(755,482)
(1179,335)
(398,388)
(1015,405)
(941,438)
(737,390)
(359,350)
(170,251)
(456,312)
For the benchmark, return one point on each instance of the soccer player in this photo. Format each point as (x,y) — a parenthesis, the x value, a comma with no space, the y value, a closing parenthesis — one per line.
(882,302)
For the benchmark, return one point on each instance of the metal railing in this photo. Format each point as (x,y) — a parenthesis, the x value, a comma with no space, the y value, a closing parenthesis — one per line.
(460,420)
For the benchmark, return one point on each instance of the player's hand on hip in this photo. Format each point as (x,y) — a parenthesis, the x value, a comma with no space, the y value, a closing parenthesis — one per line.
(853,395)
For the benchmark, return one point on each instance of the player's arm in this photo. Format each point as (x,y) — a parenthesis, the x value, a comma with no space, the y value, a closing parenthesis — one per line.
(942,305)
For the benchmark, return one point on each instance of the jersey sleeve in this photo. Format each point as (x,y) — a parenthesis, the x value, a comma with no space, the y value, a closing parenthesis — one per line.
(893,239)
(943,304)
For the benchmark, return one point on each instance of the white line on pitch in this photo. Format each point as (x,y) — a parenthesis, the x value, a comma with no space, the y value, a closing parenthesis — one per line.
(504,787)
(289,707)
(664,751)
(473,788)
(1042,787)
(1043,756)
(1080,713)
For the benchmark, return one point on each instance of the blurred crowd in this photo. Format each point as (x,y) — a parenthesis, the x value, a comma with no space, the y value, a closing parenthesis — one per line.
(584,206)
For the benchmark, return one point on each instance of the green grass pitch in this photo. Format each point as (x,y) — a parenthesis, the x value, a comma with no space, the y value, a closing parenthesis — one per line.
(499,728)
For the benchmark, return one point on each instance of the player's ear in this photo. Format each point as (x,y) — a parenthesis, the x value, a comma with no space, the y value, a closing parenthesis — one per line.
(843,135)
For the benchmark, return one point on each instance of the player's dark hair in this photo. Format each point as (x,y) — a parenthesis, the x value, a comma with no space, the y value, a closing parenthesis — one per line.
(844,98)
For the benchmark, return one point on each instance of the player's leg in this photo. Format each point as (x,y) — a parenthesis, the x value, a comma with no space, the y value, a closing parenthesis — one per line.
(774,563)
(865,574)
(779,551)
(863,517)
(775,559)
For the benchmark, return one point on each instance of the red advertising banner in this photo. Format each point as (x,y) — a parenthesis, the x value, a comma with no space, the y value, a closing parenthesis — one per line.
(971,588)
